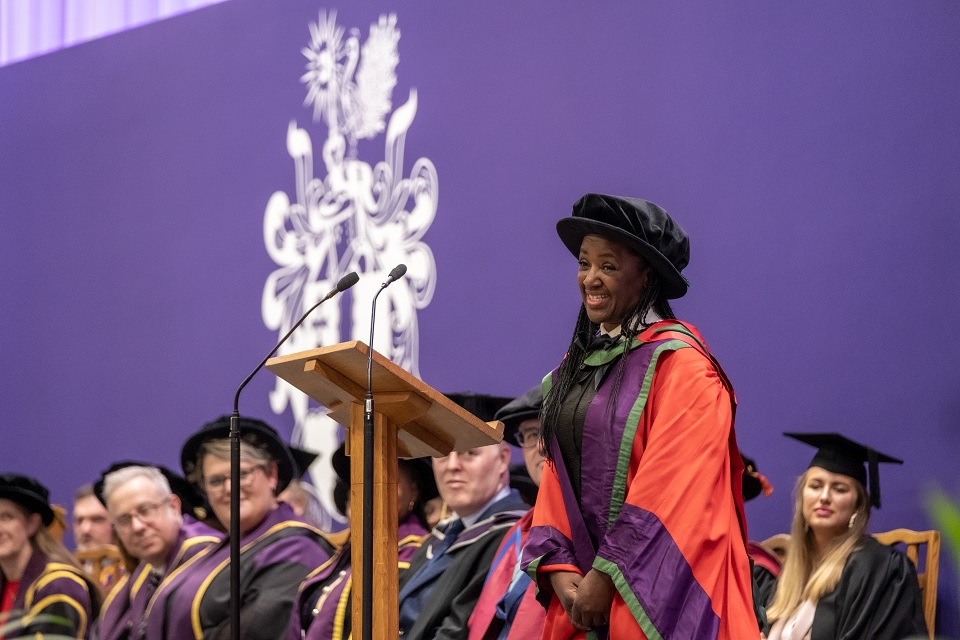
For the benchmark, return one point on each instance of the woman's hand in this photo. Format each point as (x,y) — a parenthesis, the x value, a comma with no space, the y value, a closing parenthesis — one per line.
(565,584)
(594,595)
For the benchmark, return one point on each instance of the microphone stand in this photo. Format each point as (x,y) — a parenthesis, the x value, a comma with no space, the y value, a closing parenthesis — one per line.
(367,549)
(343,284)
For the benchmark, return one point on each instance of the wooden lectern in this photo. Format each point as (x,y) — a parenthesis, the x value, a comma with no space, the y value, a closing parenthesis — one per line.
(411,420)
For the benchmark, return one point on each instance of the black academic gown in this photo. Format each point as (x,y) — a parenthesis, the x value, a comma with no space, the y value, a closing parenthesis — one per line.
(437,598)
(878,597)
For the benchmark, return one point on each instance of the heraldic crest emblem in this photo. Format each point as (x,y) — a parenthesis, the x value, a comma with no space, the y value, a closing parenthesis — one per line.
(359,217)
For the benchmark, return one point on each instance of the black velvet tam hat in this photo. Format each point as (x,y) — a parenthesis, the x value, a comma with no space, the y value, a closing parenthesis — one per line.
(28,493)
(517,410)
(481,405)
(641,225)
(192,502)
(839,454)
(252,431)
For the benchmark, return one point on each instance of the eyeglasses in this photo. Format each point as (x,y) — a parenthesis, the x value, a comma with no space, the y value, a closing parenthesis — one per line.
(527,438)
(216,483)
(146,513)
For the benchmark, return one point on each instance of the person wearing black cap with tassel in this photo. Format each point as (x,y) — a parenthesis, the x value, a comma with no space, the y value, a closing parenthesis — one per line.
(838,582)
(42,588)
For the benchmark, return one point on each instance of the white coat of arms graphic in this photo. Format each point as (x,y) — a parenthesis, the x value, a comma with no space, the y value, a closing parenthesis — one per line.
(357,217)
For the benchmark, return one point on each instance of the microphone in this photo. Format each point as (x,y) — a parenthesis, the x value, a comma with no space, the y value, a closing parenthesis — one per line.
(367,548)
(343,284)
(395,274)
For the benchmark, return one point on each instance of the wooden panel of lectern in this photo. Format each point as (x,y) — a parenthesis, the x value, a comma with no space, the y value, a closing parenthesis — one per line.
(411,420)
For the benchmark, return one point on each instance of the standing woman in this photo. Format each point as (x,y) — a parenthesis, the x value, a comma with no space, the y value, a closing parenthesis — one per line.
(638,530)
(839,583)
(42,588)
(277,548)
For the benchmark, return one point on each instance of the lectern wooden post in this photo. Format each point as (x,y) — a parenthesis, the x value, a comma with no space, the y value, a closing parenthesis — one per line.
(411,420)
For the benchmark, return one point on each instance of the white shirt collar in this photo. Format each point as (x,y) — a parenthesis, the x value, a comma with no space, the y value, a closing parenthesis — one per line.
(650,318)
(469,521)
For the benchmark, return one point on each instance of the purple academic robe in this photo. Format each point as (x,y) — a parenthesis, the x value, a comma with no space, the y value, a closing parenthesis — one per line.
(275,556)
(660,506)
(126,606)
(323,603)
(53,598)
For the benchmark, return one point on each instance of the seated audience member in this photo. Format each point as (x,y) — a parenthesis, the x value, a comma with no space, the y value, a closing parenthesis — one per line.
(435,510)
(440,588)
(323,608)
(91,522)
(153,512)
(278,549)
(93,534)
(508,606)
(766,564)
(297,494)
(839,582)
(43,590)
(521,481)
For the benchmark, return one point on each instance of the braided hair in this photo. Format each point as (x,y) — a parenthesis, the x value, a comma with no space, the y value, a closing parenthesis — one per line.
(651,298)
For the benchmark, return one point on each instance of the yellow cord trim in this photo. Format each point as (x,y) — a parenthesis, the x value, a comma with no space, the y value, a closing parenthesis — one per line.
(195,609)
(50,600)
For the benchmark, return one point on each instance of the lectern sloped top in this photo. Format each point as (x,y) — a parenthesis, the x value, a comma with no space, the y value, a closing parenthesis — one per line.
(428,423)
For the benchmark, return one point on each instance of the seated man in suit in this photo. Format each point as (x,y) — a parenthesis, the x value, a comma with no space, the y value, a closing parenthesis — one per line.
(441,587)
(153,511)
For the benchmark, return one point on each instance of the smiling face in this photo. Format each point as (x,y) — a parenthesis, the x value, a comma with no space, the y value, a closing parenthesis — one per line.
(469,479)
(828,501)
(611,278)
(16,527)
(146,519)
(258,485)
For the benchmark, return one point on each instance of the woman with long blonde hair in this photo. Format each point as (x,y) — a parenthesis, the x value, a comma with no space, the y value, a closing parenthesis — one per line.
(838,582)
(42,588)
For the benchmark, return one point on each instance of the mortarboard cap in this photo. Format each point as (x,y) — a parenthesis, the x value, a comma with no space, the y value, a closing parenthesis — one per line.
(839,454)
(302,459)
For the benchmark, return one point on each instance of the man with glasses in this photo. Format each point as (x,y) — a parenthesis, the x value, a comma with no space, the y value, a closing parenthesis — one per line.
(157,527)
(508,606)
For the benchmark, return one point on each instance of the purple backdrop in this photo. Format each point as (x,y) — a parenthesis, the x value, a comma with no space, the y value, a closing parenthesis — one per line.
(810,152)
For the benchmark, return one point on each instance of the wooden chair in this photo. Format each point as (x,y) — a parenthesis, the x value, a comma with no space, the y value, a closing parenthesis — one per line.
(59,524)
(778,544)
(104,563)
(913,540)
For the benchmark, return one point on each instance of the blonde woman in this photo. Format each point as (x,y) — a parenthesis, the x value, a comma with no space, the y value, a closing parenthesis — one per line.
(42,588)
(838,582)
